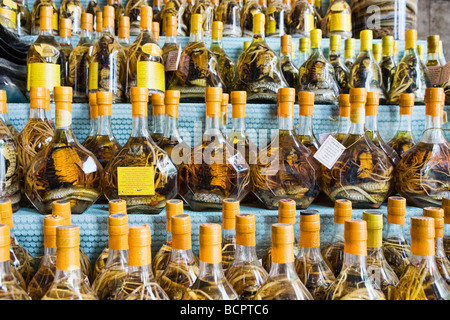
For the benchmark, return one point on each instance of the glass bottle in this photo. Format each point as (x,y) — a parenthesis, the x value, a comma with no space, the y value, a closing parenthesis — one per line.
(36,17)
(333,250)
(317,74)
(259,67)
(10,169)
(349,53)
(420,174)
(365,72)
(107,64)
(238,136)
(246,273)
(93,7)
(273,177)
(301,19)
(215,171)
(395,247)
(286,214)
(183,267)
(63,169)
(116,267)
(275,24)
(387,63)
(342,73)
(133,10)
(378,268)
(205,8)
(172,142)
(8,15)
(230,208)
(304,53)
(43,278)
(339,19)
(227,67)
(37,132)
(171,50)
(446,207)
(176,9)
(249,11)
(47,113)
(186,14)
(72,9)
(66,48)
(211,283)
(282,282)
(354,282)
(115,207)
(371,127)
(310,266)
(78,73)
(305,128)
(396,52)
(224,114)
(155,30)
(198,67)
(123,33)
(20,260)
(119,11)
(404,138)
(343,121)
(104,145)
(442,58)
(411,76)
(9,288)
(98,26)
(421,52)
(377,51)
(157,180)
(157,6)
(363,173)
(229,13)
(158,117)
(442,262)
(288,68)
(421,280)
(93,118)
(68,283)
(23,18)
(44,58)
(433,51)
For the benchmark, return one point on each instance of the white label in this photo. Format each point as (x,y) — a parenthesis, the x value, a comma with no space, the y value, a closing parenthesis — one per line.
(173,58)
(329,152)
(323,137)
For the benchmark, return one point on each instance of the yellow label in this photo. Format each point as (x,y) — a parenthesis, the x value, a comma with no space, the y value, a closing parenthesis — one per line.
(150,74)
(309,22)
(10,3)
(340,22)
(152,49)
(10,15)
(357,115)
(93,76)
(43,75)
(136,181)
(63,118)
(55,21)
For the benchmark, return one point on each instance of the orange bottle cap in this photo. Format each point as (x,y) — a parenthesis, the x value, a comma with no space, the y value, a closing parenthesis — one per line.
(146,17)
(238,101)
(65,28)
(63,106)
(406,103)
(50,223)
(3,107)
(181,232)
(62,208)
(309,229)
(68,248)
(47,99)
(358,95)
(286,45)
(139,241)
(118,231)
(344,105)
(62,94)
(158,104)
(358,98)
(422,236)
(124,27)
(93,106)
(139,100)
(87,21)
(213,98)
(438,215)
(396,210)
(108,17)
(286,98)
(6,212)
(46,17)
(224,103)
(342,210)
(230,208)
(98,21)
(434,99)
(172,100)
(173,207)
(5,241)
(116,206)
(286,211)
(355,237)
(245,229)
(306,103)
(446,207)
(67,236)
(210,240)
(104,102)
(372,103)
(38,98)
(171,25)
(282,243)
(155,30)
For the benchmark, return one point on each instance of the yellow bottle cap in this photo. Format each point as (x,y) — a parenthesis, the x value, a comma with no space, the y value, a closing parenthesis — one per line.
(421,51)
(304,44)
(388,45)
(98,21)
(68,243)
(87,21)
(46,18)
(196,23)
(349,48)
(246,45)
(155,30)
(396,48)
(410,39)
(335,42)
(355,237)
(146,17)
(438,215)
(217,30)
(376,48)
(65,28)
(224,103)
(358,98)
(374,220)
(434,99)
(124,27)
(366,37)
(259,21)
(93,114)
(433,43)
(316,38)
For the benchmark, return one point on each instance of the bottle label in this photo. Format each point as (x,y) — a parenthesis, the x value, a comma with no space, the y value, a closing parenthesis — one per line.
(43,75)
(172,60)
(63,118)
(340,22)
(9,15)
(136,181)
(329,152)
(150,74)
(151,49)
(93,76)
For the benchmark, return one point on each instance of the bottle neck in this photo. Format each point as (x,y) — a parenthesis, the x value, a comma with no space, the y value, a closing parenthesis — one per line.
(305,127)
(65,41)
(356,261)
(171,39)
(140,127)
(258,37)
(177,255)
(216,43)
(431,56)
(49,257)
(159,123)
(245,253)
(93,125)
(107,30)
(371,123)
(212,128)
(5,270)
(405,123)
(104,126)
(85,35)
(46,33)
(335,56)
(338,232)
(285,270)
(171,129)
(394,231)
(196,36)
(211,271)
(286,123)
(118,258)
(145,273)
(439,246)
(343,125)
(433,130)
(38,113)
(357,128)
(238,124)
(229,235)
